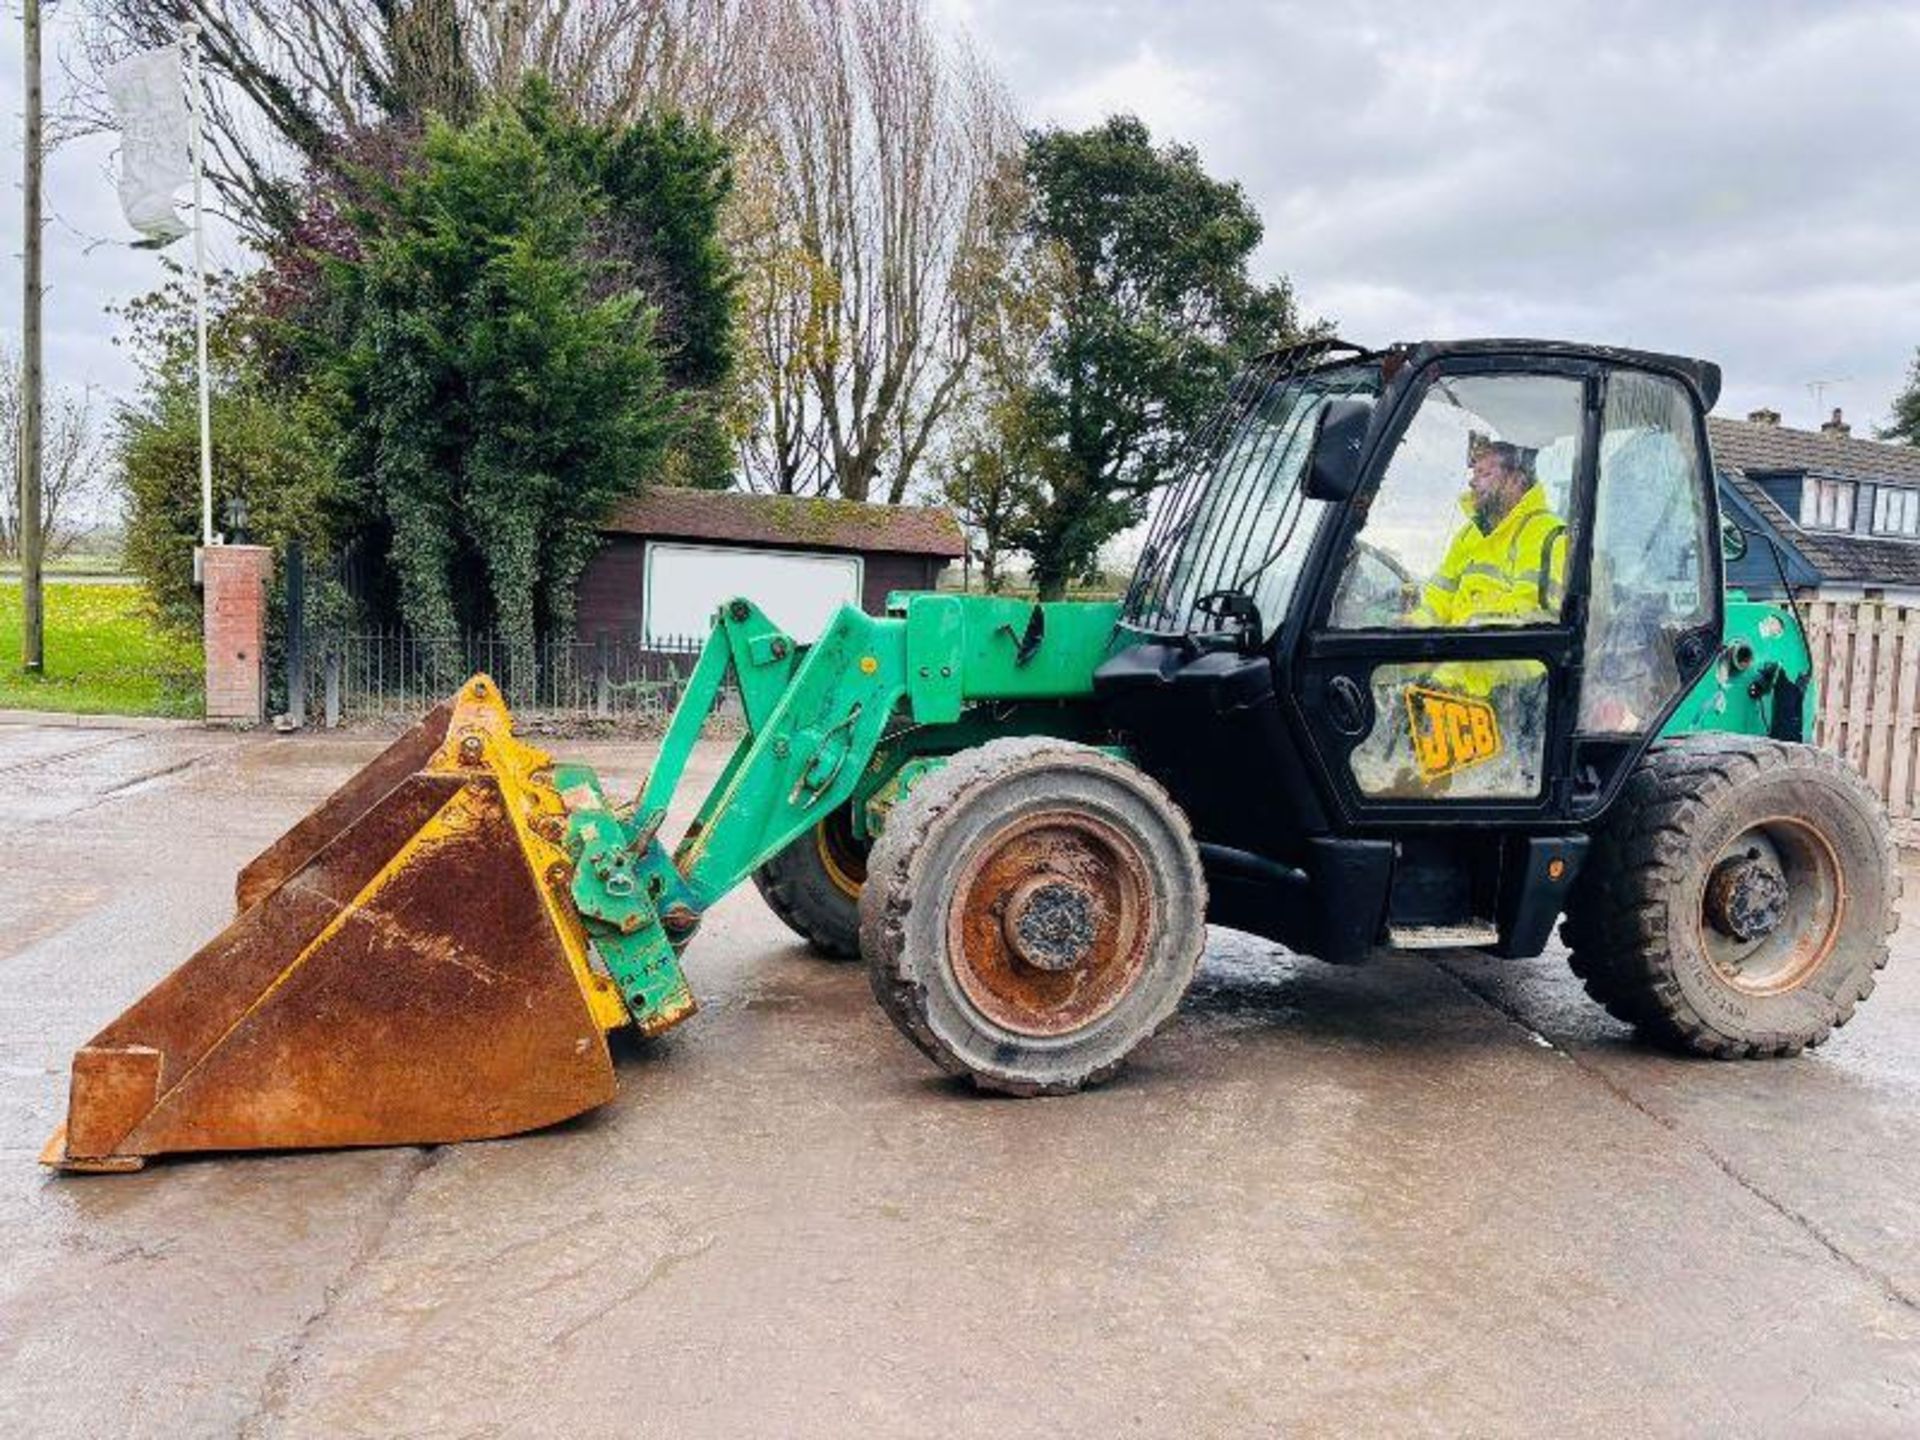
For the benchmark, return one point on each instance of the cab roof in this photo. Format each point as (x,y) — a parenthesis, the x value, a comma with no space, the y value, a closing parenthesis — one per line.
(1702,376)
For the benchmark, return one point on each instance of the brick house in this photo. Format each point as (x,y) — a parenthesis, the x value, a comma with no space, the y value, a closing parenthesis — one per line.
(1844,512)
(670,556)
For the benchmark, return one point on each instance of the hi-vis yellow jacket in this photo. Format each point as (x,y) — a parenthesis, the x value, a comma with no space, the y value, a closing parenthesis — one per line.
(1512,574)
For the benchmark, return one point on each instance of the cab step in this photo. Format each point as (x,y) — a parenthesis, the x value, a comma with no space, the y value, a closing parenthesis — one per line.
(1470,936)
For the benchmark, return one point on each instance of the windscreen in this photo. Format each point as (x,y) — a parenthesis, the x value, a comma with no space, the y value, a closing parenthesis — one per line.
(1238,520)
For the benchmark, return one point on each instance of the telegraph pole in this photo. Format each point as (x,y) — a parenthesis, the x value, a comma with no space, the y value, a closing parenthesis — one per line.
(32,615)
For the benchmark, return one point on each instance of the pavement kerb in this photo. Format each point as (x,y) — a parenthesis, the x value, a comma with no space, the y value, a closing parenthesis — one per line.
(58,720)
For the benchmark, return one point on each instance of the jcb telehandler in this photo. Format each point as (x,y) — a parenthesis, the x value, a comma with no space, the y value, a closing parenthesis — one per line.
(1342,704)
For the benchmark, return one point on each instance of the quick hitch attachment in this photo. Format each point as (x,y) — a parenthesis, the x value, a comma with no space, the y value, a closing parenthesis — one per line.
(631,901)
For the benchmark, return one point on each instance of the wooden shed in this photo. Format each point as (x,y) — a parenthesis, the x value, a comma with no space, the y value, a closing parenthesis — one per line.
(670,556)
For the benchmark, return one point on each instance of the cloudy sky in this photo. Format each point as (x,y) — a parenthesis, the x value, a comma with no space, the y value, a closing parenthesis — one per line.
(1728,178)
(88,263)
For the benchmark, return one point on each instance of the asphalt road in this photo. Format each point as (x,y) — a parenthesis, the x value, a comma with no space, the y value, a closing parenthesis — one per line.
(1426,1196)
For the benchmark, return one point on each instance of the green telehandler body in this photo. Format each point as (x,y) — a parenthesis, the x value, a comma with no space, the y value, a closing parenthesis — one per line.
(1023,815)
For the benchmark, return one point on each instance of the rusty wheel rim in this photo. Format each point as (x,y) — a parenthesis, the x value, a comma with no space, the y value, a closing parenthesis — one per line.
(1049,922)
(843,855)
(1772,906)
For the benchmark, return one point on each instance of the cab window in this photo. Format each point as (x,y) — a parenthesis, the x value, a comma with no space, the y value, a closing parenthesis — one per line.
(1651,553)
(1471,524)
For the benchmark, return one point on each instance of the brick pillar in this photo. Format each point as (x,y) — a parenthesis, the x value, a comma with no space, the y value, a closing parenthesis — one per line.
(235,610)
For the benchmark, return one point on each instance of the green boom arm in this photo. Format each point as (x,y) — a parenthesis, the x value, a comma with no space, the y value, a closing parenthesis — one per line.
(815,721)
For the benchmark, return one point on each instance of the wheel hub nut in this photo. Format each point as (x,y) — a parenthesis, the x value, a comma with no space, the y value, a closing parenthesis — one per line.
(1049,923)
(1746,898)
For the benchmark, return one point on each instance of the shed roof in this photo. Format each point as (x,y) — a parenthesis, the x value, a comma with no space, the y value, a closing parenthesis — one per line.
(794,521)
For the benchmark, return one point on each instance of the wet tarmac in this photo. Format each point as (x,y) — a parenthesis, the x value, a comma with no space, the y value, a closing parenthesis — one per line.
(1426,1196)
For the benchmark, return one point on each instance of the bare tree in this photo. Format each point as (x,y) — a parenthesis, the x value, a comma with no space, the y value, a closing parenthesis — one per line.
(614,58)
(75,460)
(865,139)
(301,86)
(881,137)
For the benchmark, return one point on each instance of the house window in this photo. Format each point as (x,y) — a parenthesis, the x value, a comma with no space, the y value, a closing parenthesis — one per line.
(1828,505)
(1896,512)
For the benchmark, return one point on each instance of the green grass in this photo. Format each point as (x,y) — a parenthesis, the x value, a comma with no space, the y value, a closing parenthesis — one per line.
(104,654)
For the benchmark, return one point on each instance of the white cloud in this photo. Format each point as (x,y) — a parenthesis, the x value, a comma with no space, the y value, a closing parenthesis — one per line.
(1172,100)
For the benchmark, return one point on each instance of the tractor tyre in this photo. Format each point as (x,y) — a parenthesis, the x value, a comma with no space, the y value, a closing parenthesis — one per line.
(1737,899)
(1034,910)
(814,886)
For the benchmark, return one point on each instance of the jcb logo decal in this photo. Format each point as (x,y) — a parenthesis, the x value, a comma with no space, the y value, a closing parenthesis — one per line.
(1450,732)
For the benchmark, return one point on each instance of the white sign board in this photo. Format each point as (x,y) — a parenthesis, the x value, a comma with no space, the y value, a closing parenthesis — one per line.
(799,592)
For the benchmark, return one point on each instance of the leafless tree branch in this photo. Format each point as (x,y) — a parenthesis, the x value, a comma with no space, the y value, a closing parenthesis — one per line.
(74,463)
(864,137)
(880,133)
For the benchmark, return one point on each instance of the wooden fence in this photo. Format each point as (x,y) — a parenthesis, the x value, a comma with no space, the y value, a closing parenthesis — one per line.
(1866,659)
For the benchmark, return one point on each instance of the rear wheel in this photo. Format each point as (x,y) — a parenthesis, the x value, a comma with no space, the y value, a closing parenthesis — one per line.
(814,885)
(1738,898)
(1034,910)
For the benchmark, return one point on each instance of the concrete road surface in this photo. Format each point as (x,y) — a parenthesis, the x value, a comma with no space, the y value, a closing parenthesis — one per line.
(1427,1196)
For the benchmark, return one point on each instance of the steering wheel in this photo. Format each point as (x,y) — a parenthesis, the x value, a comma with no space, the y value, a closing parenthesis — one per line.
(1388,562)
(1364,600)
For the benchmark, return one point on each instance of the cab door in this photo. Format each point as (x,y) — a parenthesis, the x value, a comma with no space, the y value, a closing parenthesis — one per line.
(1654,607)
(1453,667)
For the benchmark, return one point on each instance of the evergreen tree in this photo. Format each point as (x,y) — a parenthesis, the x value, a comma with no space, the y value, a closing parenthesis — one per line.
(1906,410)
(1152,310)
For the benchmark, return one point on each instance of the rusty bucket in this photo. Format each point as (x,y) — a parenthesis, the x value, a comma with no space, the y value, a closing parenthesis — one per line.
(405,968)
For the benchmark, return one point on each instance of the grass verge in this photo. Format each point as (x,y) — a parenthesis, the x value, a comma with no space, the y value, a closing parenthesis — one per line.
(104,656)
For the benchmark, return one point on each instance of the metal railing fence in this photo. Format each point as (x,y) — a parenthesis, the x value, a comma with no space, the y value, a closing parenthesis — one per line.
(392,677)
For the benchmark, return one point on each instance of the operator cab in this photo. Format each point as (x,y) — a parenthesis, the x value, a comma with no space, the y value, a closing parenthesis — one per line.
(1408,622)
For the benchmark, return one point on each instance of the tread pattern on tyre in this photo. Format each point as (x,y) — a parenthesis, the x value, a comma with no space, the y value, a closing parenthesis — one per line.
(797,889)
(1617,926)
(887,898)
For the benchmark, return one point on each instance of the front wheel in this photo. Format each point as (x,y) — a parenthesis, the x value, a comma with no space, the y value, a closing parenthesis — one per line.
(1034,910)
(1738,897)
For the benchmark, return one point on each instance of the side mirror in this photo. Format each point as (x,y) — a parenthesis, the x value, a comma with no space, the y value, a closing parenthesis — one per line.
(1333,469)
(1733,541)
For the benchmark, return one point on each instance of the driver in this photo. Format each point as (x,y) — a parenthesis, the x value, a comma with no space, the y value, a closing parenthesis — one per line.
(1507,565)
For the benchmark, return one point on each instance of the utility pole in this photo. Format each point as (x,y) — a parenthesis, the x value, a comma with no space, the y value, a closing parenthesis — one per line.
(32,615)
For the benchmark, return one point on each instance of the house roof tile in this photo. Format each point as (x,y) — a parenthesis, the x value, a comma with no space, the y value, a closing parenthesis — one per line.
(1742,448)
(1749,445)
(788,520)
